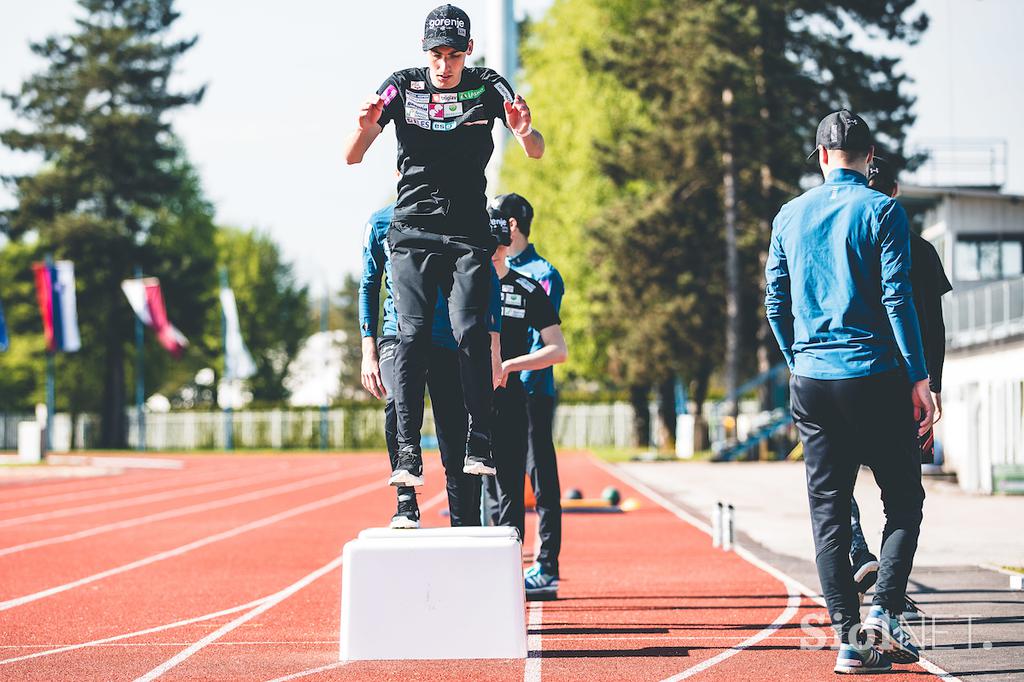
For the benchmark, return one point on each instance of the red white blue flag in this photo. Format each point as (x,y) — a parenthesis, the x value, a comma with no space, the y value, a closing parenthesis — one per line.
(55,291)
(147,301)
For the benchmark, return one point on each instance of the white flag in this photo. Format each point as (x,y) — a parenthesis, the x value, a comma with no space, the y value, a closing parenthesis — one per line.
(238,364)
(64,298)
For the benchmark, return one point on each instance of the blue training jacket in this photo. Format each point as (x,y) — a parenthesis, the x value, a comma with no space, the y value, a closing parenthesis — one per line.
(838,293)
(529,262)
(377,267)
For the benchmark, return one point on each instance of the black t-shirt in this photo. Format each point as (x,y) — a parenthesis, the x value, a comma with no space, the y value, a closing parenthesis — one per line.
(929,282)
(444,144)
(524,304)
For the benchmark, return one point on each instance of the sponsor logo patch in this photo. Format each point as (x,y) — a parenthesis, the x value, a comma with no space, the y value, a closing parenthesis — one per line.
(526,284)
(417,97)
(512,299)
(436,111)
(503,91)
(452,110)
(390,93)
(507,287)
(415,112)
(445,97)
(513,312)
(471,94)
(445,125)
(418,85)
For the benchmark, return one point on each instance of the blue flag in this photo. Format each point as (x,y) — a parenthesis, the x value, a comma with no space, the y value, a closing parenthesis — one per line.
(3,330)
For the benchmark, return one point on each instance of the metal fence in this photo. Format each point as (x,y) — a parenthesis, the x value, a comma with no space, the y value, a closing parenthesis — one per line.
(576,426)
(985,313)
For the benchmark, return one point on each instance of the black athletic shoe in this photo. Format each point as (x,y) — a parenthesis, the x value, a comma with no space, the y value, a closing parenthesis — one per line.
(865,570)
(408,514)
(479,466)
(409,471)
(911,609)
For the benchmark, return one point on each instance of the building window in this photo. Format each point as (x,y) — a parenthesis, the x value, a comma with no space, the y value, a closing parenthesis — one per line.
(984,257)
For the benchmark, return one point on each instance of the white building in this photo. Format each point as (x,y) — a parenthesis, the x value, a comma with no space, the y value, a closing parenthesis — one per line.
(979,234)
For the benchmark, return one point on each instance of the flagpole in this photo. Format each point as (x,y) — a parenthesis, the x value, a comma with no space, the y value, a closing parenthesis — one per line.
(51,380)
(229,427)
(140,376)
(323,333)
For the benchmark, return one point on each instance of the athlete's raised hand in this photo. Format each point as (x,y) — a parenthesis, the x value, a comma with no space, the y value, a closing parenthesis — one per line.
(518,117)
(370,112)
(520,122)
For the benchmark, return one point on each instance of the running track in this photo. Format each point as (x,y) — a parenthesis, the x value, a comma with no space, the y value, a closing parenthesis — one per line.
(229,569)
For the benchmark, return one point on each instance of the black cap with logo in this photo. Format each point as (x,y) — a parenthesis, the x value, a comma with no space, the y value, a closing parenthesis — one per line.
(882,175)
(446,25)
(843,130)
(500,229)
(515,206)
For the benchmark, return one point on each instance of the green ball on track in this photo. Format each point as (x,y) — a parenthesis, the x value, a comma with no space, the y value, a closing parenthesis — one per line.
(573,494)
(611,495)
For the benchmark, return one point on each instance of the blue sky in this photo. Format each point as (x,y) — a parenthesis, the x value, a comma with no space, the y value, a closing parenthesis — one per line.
(285,81)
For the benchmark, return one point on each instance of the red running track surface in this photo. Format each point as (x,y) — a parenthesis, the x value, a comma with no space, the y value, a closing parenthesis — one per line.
(229,569)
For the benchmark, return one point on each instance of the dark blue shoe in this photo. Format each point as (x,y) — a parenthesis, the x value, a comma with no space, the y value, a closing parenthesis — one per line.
(884,630)
(854,661)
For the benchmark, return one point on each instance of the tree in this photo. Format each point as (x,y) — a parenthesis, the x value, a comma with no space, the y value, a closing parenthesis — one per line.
(273,309)
(574,105)
(98,116)
(731,94)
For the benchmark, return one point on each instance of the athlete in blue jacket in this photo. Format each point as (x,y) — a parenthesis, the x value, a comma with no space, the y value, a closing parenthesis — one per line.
(450,417)
(838,298)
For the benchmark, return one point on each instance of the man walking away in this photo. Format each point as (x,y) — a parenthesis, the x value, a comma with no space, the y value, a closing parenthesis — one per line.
(930,284)
(839,302)
(541,462)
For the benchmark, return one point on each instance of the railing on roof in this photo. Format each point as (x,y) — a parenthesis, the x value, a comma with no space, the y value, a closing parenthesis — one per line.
(986,313)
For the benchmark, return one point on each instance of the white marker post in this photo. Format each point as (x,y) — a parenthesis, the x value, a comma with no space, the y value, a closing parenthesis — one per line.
(716,525)
(728,534)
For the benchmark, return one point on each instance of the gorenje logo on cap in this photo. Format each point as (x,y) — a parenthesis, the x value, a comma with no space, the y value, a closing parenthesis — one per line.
(446,22)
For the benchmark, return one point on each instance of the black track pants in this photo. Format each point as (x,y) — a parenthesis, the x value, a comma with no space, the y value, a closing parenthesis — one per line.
(421,262)
(843,424)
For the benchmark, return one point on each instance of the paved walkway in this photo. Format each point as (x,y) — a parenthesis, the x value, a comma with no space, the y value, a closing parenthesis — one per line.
(973,625)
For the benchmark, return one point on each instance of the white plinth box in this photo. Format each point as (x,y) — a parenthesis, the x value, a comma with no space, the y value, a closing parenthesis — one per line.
(439,593)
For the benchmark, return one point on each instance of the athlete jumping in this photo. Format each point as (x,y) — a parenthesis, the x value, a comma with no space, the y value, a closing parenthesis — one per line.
(440,235)
(447,404)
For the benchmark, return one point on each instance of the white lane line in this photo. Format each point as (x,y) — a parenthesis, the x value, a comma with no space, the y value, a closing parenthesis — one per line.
(144,499)
(267,604)
(107,491)
(311,671)
(137,633)
(792,606)
(531,672)
(190,509)
(745,553)
(196,544)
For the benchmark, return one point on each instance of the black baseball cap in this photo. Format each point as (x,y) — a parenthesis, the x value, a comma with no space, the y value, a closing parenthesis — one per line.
(446,25)
(500,229)
(843,130)
(514,206)
(882,175)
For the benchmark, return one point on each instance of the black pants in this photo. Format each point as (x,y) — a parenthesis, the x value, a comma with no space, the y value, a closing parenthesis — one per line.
(843,424)
(542,466)
(421,262)
(508,486)
(450,423)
